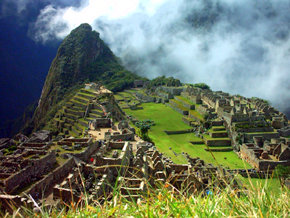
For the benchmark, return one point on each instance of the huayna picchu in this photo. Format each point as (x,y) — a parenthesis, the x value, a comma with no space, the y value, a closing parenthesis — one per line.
(99,128)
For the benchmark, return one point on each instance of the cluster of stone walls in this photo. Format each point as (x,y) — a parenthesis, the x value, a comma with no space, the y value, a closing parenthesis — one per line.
(39,189)
(84,156)
(23,177)
(251,154)
(257,129)
(145,98)
(122,160)
(173,90)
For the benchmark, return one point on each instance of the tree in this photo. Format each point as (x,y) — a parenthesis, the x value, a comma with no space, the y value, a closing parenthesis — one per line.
(144,127)
(201,86)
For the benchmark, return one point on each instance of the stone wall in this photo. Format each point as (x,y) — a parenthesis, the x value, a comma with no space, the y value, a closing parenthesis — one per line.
(257,129)
(116,145)
(145,98)
(250,152)
(218,142)
(36,169)
(44,186)
(186,105)
(123,137)
(218,134)
(267,136)
(84,156)
(117,163)
(178,109)
(173,90)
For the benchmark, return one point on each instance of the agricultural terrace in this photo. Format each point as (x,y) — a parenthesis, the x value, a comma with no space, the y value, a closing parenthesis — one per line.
(166,118)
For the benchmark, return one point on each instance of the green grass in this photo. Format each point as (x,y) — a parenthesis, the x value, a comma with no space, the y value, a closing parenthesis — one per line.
(166,118)
(257,201)
(273,184)
(186,100)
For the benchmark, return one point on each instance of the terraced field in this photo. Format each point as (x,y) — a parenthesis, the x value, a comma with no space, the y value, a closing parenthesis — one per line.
(166,118)
(73,118)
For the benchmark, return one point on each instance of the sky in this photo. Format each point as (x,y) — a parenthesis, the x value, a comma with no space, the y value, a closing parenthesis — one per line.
(241,47)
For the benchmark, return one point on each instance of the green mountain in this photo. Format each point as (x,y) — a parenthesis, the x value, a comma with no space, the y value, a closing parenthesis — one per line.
(81,57)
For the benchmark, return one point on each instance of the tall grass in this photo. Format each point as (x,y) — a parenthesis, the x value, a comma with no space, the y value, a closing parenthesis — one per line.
(166,201)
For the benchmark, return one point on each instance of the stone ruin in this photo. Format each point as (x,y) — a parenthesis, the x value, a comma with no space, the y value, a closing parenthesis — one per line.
(244,120)
(113,154)
(34,174)
(265,155)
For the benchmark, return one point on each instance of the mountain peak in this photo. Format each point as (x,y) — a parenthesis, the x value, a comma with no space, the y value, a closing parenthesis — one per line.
(83,26)
(82,56)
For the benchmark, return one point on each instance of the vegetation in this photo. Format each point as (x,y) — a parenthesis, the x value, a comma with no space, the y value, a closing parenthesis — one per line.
(201,86)
(254,200)
(144,127)
(164,81)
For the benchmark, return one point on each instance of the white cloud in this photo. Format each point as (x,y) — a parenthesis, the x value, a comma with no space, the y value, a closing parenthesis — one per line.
(237,46)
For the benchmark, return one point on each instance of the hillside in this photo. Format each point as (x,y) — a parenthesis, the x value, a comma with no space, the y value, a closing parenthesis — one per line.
(82,56)
(91,156)
(103,140)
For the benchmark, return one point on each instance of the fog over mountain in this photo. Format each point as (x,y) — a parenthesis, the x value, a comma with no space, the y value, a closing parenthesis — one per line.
(237,46)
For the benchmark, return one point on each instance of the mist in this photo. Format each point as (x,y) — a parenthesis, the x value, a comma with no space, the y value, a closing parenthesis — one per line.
(241,47)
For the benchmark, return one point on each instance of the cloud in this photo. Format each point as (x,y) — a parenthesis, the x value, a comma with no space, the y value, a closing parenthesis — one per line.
(242,47)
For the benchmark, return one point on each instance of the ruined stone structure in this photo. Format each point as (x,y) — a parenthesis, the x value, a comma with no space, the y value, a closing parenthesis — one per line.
(266,156)
(244,120)
(93,165)
(65,167)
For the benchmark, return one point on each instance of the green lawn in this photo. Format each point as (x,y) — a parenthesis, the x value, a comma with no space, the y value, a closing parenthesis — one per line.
(166,118)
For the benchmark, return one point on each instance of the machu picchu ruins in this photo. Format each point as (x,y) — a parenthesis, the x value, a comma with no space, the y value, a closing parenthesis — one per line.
(92,144)
(105,134)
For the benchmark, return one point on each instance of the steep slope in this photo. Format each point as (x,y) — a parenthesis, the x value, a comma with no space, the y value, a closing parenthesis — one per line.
(81,57)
